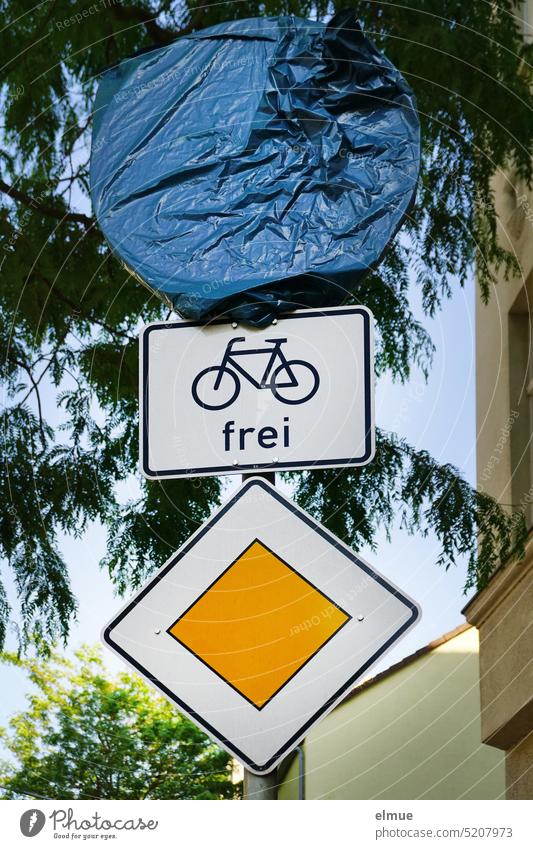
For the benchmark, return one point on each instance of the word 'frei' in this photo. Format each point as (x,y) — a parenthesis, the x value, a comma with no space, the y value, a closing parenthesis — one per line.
(267,437)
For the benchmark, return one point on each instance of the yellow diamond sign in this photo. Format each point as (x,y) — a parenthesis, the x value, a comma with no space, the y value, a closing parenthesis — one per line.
(258,624)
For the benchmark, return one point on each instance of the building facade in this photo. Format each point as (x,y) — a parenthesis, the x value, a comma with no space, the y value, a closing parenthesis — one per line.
(411,732)
(503,611)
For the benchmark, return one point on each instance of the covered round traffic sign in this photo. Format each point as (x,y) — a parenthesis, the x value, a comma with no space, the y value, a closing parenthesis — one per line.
(256,166)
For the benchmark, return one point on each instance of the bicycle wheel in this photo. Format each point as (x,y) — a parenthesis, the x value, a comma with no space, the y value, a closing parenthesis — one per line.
(307,382)
(215,399)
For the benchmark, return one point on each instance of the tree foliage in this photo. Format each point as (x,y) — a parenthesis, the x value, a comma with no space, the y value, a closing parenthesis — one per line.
(409,486)
(69,314)
(85,735)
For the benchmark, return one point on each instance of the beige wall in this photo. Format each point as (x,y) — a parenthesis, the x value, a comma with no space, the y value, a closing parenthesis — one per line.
(519,770)
(502,612)
(503,615)
(414,734)
(504,387)
(504,406)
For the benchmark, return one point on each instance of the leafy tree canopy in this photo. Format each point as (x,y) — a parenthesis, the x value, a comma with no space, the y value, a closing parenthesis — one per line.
(69,313)
(85,735)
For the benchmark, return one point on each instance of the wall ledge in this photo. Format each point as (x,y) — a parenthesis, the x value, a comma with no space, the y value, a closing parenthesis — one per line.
(503,582)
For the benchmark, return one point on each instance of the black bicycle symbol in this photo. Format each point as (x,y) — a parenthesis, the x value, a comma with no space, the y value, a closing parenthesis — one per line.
(223,382)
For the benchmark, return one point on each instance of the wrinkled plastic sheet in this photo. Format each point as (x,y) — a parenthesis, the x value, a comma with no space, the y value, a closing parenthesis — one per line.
(255,166)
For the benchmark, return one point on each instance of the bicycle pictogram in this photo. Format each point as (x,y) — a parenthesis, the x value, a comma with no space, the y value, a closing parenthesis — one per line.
(290,381)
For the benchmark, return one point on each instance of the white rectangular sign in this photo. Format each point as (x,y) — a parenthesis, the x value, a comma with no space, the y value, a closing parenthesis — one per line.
(223,399)
(259,624)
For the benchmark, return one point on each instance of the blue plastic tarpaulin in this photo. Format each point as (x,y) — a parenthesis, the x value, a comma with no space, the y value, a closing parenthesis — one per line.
(256,166)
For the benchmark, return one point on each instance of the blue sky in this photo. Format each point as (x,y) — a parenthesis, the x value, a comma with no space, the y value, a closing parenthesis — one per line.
(438,415)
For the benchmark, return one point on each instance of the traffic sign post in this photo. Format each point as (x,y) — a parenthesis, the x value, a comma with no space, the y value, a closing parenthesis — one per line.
(223,399)
(260,787)
(261,621)
(259,624)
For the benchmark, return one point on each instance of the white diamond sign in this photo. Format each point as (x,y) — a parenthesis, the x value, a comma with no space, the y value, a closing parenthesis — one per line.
(259,625)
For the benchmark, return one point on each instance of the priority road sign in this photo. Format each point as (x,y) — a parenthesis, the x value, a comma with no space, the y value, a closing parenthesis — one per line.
(256,630)
(221,399)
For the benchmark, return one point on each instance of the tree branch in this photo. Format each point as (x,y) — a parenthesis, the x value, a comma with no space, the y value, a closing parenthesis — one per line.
(34,388)
(45,208)
(76,308)
(160,35)
(146,17)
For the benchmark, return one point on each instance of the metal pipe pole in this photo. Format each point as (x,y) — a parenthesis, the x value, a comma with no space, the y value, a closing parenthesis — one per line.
(260,787)
(301,771)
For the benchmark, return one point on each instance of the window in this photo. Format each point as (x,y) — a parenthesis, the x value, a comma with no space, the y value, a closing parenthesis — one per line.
(521,399)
